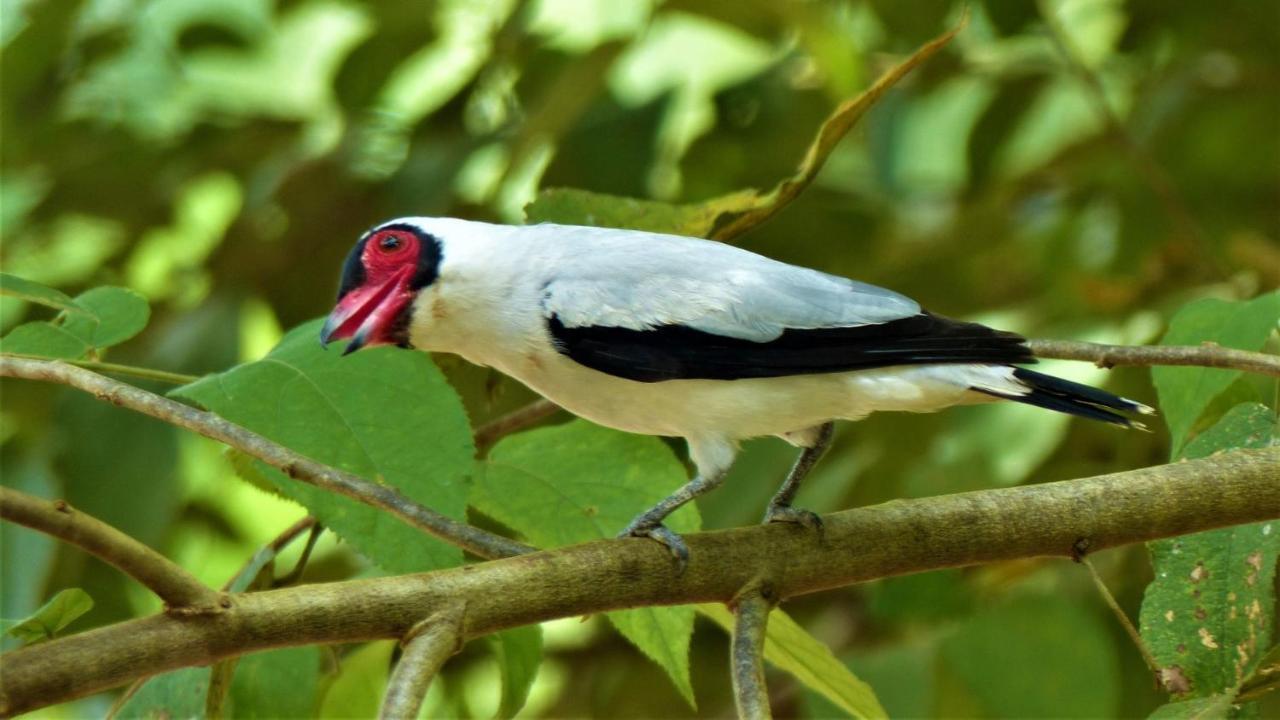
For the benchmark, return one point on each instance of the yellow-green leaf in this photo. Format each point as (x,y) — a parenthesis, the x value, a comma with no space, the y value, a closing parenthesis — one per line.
(61,610)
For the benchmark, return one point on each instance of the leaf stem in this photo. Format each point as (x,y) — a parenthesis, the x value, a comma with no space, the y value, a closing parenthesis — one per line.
(164,376)
(1125,622)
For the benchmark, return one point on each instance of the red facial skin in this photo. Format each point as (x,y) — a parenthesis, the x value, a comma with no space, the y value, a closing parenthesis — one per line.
(366,313)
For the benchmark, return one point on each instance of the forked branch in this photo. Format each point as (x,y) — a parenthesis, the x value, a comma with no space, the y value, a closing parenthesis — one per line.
(179,589)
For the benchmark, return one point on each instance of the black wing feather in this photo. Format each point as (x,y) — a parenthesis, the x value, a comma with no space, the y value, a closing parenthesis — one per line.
(672,352)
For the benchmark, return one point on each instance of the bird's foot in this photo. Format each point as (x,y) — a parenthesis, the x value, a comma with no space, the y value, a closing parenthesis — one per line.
(786,513)
(657,531)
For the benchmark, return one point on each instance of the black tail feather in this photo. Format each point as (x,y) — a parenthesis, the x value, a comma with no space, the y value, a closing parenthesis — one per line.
(1073,398)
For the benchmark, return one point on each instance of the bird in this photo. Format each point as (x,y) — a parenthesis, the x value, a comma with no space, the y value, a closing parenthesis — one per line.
(683,337)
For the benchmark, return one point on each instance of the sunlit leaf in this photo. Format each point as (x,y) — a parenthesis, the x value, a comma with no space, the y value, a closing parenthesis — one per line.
(1207,615)
(519,655)
(45,623)
(24,289)
(1185,392)
(386,414)
(790,647)
(577,482)
(116,314)
(726,217)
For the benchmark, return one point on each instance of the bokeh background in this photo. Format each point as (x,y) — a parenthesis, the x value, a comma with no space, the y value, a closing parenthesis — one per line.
(1066,169)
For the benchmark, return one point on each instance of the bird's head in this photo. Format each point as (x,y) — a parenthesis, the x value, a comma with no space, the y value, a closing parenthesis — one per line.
(380,279)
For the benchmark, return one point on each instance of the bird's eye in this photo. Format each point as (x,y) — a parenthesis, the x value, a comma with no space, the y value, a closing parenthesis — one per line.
(389,243)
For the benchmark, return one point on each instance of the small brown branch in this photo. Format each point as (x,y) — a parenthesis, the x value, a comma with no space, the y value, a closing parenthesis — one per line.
(1199,355)
(294,575)
(514,421)
(179,589)
(426,648)
(751,619)
(299,467)
(895,538)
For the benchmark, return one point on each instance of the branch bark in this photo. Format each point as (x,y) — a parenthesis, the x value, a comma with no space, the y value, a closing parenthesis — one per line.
(898,537)
(297,466)
(426,648)
(1108,356)
(179,589)
(746,650)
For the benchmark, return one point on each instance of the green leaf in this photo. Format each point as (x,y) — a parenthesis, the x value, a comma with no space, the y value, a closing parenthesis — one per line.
(1185,392)
(102,317)
(362,677)
(519,655)
(177,694)
(386,414)
(280,683)
(1214,707)
(790,647)
(45,340)
(24,289)
(117,314)
(577,482)
(1265,677)
(1206,616)
(728,216)
(1035,657)
(45,623)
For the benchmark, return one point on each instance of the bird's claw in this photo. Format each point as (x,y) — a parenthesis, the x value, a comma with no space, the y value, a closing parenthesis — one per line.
(786,513)
(671,540)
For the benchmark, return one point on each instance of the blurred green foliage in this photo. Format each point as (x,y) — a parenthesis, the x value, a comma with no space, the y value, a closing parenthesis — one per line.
(1069,168)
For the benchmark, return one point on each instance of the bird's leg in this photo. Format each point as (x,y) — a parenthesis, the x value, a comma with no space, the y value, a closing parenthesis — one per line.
(649,523)
(780,509)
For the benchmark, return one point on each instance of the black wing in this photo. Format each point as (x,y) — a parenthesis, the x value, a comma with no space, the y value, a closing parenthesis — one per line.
(672,352)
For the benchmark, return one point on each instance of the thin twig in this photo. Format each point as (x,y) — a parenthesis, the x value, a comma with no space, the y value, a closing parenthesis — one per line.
(514,421)
(1127,624)
(299,567)
(144,373)
(1142,355)
(751,619)
(179,589)
(473,539)
(426,648)
(866,543)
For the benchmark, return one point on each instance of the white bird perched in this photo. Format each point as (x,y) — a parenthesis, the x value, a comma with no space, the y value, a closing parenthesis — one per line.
(676,336)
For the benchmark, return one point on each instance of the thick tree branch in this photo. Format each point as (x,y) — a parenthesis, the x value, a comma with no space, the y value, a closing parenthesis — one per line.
(179,589)
(299,467)
(1200,355)
(426,648)
(751,618)
(862,544)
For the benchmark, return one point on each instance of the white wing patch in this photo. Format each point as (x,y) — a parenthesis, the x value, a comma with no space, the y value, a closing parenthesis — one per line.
(640,281)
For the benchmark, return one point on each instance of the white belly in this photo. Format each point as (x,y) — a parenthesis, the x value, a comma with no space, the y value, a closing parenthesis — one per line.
(737,409)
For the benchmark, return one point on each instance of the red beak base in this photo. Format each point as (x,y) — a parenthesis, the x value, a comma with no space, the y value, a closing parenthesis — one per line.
(367,314)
